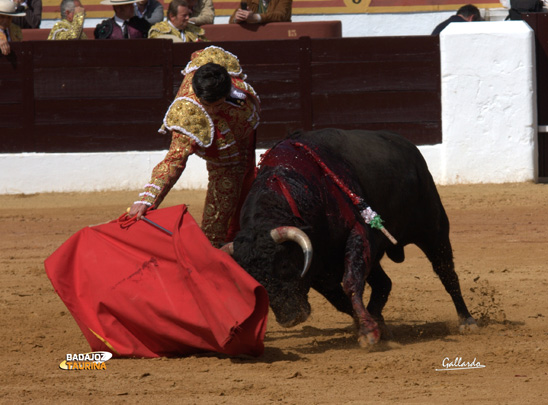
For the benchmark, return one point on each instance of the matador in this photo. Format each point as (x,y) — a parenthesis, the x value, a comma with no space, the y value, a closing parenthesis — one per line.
(220,130)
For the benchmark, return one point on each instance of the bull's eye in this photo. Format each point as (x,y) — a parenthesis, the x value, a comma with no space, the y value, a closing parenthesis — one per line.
(285,272)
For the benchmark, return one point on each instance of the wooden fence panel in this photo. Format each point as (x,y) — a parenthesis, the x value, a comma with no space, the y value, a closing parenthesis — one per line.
(16,97)
(373,107)
(539,23)
(382,82)
(112,95)
(103,91)
(275,74)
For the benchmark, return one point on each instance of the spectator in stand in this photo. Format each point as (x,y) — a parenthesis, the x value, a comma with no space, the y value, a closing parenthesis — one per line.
(9,32)
(177,27)
(33,13)
(464,14)
(262,12)
(124,24)
(518,7)
(71,25)
(150,10)
(203,11)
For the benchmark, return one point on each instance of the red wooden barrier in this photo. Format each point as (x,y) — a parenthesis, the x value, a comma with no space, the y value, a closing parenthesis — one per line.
(239,32)
(539,23)
(97,96)
(41,34)
(282,30)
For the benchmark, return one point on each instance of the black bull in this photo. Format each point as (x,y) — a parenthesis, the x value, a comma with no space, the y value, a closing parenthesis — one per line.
(293,191)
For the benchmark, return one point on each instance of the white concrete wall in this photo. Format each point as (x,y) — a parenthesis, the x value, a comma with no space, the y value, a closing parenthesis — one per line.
(488,121)
(66,172)
(377,25)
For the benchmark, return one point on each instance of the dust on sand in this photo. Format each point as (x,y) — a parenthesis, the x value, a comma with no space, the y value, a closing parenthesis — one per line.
(500,240)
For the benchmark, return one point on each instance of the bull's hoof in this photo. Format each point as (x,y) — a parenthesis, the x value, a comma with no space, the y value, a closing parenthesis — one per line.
(370,339)
(468,325)
(380,346)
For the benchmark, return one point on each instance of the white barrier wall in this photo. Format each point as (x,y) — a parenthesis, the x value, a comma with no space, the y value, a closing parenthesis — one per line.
(66,172)
(488,120)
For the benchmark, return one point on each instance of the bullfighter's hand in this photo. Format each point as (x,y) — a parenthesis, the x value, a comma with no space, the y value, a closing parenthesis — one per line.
(137,210)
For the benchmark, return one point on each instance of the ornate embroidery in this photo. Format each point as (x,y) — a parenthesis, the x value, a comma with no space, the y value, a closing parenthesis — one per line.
(192,33)
(225,139)
(167,172)
(216,55)
(223,194)
(187,116)
(64,30)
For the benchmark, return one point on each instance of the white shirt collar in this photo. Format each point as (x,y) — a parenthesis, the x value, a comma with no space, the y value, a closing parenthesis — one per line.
(119,21)
(174,27)
(183,36)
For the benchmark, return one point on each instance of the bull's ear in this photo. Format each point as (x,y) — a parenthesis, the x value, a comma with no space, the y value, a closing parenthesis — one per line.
(295,134)
(306,228)
(299,223)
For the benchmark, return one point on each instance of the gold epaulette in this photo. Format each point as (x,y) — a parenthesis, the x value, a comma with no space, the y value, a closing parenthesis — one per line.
(188,117)
(162,27)
(216,55)
(15,33)
(195,29)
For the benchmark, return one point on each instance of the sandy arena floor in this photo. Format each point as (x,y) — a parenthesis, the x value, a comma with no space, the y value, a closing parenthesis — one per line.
(500,240)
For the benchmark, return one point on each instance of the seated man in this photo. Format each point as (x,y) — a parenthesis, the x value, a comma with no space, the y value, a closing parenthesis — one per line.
(124,24)
(150,10)
(262,12)
(9,32)
(202,13)
(176,26)
(464,14)
(32,13)
(519,7)
(72,22)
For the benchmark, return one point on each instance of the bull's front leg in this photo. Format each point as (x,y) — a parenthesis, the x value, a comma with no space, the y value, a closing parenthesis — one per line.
(357,267)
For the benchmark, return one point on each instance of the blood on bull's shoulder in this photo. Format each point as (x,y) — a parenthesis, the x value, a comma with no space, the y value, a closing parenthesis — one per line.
(307,190)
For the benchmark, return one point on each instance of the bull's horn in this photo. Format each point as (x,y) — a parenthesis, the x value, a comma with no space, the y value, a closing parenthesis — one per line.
(291,233)
(228,248)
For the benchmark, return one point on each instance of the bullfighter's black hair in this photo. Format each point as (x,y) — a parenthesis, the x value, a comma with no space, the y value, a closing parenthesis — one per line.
(211,82)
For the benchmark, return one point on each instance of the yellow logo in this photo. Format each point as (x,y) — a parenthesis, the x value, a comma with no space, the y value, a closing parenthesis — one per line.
(86,361)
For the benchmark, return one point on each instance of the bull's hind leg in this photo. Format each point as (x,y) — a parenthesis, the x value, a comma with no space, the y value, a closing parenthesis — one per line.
(357,262)
(440,255)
